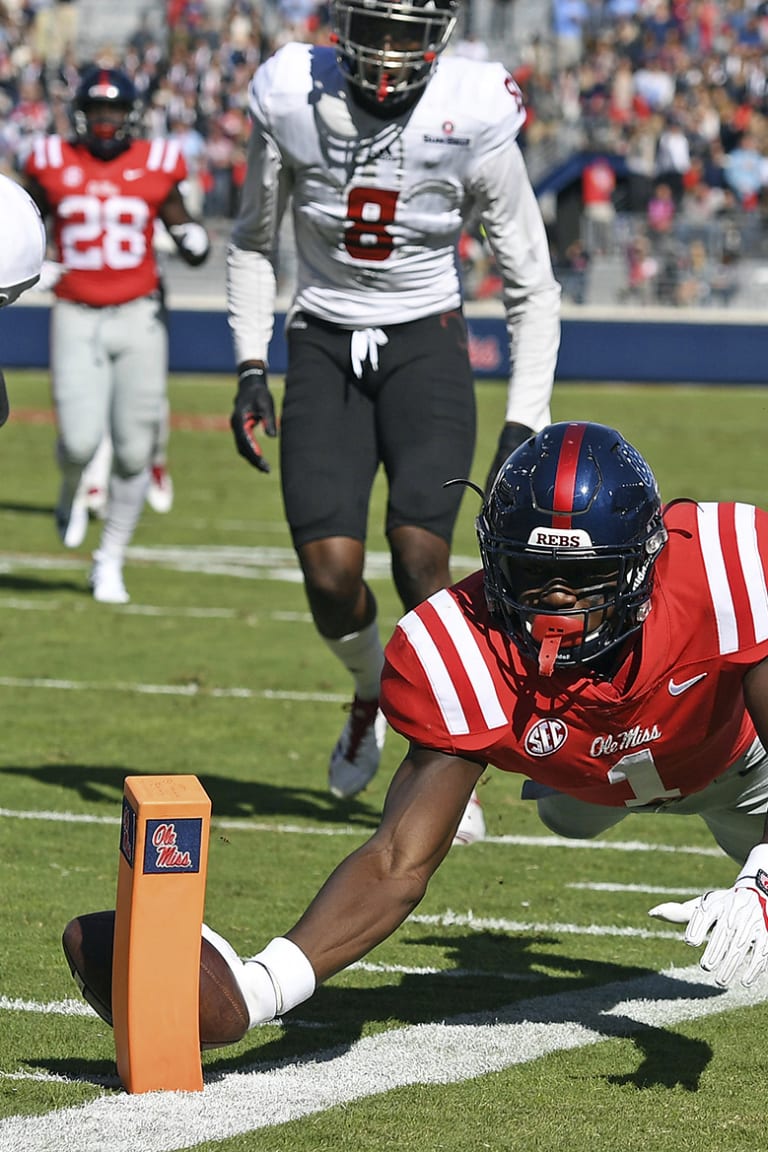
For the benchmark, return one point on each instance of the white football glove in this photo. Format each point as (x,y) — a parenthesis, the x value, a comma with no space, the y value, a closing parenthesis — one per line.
(735,919)
(50,274)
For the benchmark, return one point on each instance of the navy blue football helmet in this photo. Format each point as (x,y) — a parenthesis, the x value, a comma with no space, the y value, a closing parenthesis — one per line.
(388,49)
(573,515)
(105,112)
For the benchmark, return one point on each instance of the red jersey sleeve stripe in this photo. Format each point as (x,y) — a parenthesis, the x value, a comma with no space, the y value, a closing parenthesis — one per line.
(436,672)
(736,584)
(565,478)
(454,663)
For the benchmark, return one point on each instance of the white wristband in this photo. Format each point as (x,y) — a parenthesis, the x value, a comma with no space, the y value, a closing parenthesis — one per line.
(757,861)
(291,973)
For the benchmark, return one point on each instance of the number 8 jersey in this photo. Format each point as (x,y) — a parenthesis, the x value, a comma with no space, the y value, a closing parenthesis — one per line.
(104,214)
(378,205)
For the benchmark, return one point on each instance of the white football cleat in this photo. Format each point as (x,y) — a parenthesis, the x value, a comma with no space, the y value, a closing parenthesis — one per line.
(106,580)
(160,491)
(72,524)
(355,759)
(472,825)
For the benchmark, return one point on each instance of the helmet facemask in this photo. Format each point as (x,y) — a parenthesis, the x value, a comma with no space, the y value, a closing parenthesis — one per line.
(610,593)
(388,51)
(105,113)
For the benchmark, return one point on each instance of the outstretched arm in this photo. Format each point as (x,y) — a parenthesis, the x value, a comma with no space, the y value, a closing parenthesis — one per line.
(369,895)
(376,888)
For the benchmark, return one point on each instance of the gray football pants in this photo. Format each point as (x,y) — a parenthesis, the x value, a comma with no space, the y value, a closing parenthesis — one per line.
(109,373)
(733,806)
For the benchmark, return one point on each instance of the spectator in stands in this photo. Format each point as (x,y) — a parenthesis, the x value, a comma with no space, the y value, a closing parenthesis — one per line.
(661,212)
(573,270)
(598,184)
(744,171)
(642,272)
(654,85)
(568,20)
(696,271)
(673,157)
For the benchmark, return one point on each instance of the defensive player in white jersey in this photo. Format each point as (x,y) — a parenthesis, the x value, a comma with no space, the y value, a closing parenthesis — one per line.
(612,651)
(384,146)
(104,190)
(22,251)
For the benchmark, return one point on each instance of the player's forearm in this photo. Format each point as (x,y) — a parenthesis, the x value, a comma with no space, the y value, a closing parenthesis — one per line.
(362,903)
(533,324)
(251,292)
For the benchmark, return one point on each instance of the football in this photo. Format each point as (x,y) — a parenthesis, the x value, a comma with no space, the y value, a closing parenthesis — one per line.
(88,944)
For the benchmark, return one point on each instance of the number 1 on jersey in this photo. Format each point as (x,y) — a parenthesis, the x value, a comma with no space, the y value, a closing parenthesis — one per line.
(640,772)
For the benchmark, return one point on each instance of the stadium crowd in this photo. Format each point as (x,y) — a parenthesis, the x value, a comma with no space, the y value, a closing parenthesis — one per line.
(666,100)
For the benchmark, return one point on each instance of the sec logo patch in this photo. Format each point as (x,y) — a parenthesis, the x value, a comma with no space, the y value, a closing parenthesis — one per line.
(545,737)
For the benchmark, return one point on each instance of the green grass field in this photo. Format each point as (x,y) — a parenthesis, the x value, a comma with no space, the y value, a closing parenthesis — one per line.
(530,1004)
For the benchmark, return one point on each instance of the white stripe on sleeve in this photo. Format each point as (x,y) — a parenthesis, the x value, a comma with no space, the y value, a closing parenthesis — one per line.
(437,671)
(752,565)
(437,674)
(719,589)
(471,657)
(155,154)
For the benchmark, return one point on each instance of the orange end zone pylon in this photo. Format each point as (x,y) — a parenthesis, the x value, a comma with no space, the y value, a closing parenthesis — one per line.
(159,913)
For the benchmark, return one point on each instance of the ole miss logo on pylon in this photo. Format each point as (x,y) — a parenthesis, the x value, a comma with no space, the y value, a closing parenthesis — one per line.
(173,845)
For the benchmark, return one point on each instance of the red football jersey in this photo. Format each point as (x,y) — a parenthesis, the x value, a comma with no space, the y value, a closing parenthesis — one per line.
(104,214)
(670,721)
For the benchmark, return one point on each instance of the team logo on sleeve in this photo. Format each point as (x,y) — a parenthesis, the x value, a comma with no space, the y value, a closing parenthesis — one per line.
(545,737)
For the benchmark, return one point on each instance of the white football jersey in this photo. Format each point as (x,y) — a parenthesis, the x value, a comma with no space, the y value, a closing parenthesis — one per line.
(379,205)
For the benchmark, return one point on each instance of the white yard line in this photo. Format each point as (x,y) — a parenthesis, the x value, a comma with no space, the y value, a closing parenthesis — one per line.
(360,833)
(450,1052)
(250,563)
(56,685)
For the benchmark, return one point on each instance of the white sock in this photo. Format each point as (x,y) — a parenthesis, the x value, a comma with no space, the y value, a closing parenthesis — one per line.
(266,995)
(362,655)
(126,501)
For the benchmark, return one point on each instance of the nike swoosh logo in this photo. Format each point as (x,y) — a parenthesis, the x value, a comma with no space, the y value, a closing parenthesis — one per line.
(684,685)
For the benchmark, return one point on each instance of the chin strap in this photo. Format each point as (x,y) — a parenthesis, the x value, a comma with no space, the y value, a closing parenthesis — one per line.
(549,632)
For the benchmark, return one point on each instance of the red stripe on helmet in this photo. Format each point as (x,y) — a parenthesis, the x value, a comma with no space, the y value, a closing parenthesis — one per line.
(565,478)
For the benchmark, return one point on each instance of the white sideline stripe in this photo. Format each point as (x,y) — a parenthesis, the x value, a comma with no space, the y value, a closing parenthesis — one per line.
(352,830)
(458,1049)
(19,604)
(647,889)
(172,690)
(52,1008)
(497,924)
(248,563)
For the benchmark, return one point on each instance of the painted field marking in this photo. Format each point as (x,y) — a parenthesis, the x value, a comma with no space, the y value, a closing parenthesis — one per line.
(646,889)
(55,685)
(266,563)
(361,833)
(456,1050)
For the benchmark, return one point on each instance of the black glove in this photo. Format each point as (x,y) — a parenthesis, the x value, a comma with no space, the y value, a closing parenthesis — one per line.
(253,406)
(512,436)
